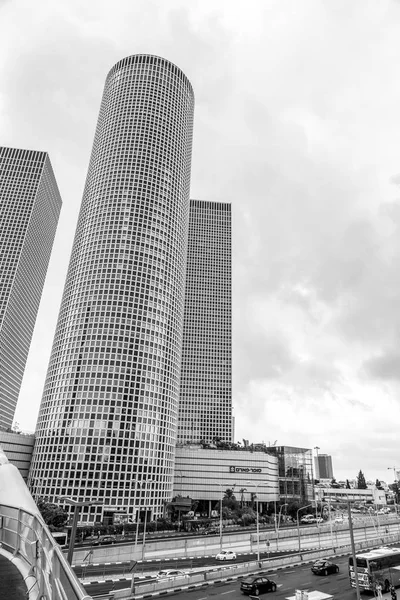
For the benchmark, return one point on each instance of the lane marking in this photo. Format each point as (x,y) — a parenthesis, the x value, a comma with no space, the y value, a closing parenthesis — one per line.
(228,592)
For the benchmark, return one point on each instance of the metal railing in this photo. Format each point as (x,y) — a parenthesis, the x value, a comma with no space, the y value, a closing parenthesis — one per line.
(27,538)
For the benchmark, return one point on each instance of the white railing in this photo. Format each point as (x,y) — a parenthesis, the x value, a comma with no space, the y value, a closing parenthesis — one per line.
(26,541)
(38,556)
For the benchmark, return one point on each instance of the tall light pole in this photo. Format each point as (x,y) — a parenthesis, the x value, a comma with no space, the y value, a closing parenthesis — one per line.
(220,519)
(279,522)
(298,523)
(77,509)
(145,481)
(353,550)
(139,482)
(179,510)
(330,520)
(257,521)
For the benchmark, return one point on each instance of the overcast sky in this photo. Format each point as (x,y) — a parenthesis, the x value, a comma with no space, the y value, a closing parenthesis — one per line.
(297,124)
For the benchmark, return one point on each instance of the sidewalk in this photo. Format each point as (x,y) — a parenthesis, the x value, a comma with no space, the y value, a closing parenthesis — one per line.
(12,585)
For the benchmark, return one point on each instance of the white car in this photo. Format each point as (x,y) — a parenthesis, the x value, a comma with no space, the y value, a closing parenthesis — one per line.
(170,574)
(226,555)
(339,520)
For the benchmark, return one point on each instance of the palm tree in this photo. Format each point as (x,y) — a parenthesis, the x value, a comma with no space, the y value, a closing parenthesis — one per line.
(242,491)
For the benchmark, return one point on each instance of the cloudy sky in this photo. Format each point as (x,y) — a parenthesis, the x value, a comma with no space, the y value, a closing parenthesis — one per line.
(297,124)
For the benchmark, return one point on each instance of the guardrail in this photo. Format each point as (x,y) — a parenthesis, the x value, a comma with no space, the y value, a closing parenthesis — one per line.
(26,540)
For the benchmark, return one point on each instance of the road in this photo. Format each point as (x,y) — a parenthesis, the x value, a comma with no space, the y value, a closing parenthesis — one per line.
(287,580)
(123,568)
(310,538)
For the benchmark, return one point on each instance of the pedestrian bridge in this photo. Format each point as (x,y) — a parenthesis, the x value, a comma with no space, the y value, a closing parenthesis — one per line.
(32,564)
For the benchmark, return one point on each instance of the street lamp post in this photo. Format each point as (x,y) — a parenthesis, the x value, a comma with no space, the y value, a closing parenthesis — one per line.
(257,521)
(298,523)
(140,482)
(330,520)
(220,519)
(395,480)
(145,481)
(77,509)
(179,510)
(279,522)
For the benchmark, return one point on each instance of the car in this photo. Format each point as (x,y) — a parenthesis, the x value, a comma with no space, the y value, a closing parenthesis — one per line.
(256,585)
(324,567)
(170,574)
(308,519)
(339,520)
(105,539)
(226,555)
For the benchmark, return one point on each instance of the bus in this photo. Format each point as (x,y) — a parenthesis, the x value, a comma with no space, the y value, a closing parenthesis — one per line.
(381,565)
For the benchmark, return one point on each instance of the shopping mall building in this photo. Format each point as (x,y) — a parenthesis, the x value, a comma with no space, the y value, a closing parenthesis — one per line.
(279,474)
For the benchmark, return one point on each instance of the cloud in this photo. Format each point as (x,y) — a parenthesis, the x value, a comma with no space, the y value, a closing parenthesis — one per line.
(386,366)
(296,124)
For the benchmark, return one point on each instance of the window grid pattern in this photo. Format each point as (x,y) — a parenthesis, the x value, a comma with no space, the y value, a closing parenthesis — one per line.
(205,401)
(110,402)
(30,205)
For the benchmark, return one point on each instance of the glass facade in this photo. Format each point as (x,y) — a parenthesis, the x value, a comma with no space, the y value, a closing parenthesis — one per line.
(30,205)
(108,420)
(295,472)
(205,400)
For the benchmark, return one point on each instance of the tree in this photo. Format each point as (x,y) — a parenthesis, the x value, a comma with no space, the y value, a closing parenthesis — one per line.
(53,515)
(241,492)
(361,483)
(378,485)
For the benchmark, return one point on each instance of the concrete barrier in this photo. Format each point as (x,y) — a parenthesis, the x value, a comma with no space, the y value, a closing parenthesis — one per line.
(188,547)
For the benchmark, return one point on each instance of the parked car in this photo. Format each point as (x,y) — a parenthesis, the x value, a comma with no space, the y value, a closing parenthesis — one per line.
(256,585)
(226,555)
(308,519)
(324,567)
(170,574)
(339,519)
(104,539)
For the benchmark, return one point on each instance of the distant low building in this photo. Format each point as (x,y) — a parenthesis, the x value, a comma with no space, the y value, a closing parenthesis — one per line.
(18,448)
(370,495)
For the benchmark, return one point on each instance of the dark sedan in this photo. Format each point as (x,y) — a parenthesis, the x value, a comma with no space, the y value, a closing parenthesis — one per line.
(324,567)
(257,585)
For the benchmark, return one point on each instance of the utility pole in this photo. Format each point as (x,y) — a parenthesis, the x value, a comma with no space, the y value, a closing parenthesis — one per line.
(353,550)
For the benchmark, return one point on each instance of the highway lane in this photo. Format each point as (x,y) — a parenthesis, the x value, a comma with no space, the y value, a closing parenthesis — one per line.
(311,538)
(287,580)
(123,568)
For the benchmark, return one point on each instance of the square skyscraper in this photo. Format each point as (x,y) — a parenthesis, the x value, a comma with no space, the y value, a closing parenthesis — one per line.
(30,205)
(205,400)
